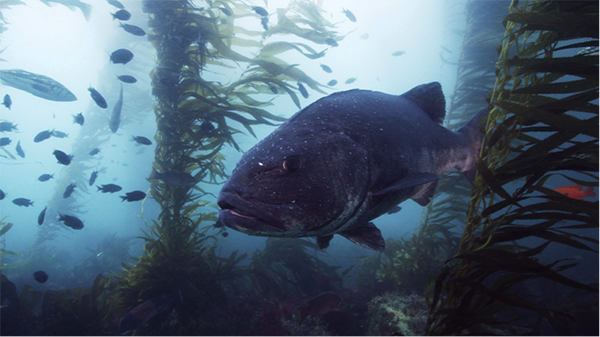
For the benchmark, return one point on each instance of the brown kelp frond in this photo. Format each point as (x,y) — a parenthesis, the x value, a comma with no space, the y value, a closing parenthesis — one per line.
(541,138)
(196,117)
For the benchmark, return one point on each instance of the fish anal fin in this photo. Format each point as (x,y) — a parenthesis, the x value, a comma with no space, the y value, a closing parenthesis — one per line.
(430,98)
(424,197)
(323,241)
(411,180)
(367,236)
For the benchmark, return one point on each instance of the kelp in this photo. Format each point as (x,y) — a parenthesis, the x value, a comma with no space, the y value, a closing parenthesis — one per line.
(444,217)
(543,126)
(196,118)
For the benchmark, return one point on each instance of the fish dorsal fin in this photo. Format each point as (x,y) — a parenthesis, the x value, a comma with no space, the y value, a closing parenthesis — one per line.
(430,98)
(367,236)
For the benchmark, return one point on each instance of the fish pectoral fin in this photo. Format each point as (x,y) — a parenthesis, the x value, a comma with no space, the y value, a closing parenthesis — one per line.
(424,197)
(411,180)
(367,236)
(323,241)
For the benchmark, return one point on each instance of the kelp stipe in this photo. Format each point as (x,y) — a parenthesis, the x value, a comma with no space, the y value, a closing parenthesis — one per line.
(543,125)
(194,118)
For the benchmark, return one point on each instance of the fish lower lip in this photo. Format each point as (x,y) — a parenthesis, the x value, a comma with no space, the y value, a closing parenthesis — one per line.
(238,213)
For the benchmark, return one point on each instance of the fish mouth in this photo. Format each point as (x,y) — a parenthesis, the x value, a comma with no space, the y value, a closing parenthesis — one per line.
(246,216)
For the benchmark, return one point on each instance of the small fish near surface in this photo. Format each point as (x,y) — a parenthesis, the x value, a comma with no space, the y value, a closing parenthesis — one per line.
(115,116)
(141,314)
(345,160)
(37,85)
(331,42)
(121,56)
(142,140)
(59,134)
(5,141)
(349,15)
(78,119)
(332,83)
(319,305)
(116,3)
(45,177)
(112,188)
(135,30)
(22,202)
(7,127)
(398,53)
(19,150)
(127,79)
(133,196)
(350,80)
(94,151)
(122,15)
(302,90)
(7,102)
(86,9)
(69,190)
(70,221)
(260,11)
(97,97)
(40,276)
(62,157)
(42,216)
(326,68)
(175,178)
(576,191)
(93,177)
(43,136)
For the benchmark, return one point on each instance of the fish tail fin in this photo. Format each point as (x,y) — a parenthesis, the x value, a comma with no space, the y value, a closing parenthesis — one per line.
(86,9)
(99,188)
(123,198)
(472,131)
(589,192)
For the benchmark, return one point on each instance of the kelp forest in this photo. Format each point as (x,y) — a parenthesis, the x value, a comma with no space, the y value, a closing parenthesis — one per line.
(483,260)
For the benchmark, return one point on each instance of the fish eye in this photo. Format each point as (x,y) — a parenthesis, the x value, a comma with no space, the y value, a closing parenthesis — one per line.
(291,164)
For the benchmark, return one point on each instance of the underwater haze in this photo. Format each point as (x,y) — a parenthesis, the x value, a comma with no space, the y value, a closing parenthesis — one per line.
(121,124)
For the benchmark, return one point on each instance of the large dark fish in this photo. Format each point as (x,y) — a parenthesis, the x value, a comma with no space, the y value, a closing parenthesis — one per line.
(43,136)
(5,141)
(135,30)
(7,102)
(93,177)
(19,150)
(78,118)
(112,188)
(69,190)
(175,178)
(142,140)
(7,127)
(122,15)
(40,276)
(145,311)
(97,97)
(115,117)
(62,157)
(35,84)
(45,177)
(22,202)
(345,160)
(121,56)
(127,79)
(71,221)
(133,196)
(42,216)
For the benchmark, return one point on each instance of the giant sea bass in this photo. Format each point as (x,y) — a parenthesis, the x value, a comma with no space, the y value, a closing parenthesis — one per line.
(37,85)
(345,160)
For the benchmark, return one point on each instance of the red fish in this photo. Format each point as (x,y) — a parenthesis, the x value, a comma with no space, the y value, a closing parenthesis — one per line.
(576,191)
(321,304)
